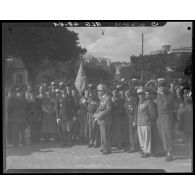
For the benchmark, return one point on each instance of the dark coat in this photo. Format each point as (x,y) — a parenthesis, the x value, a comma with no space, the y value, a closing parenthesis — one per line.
(34,110)
(17,111)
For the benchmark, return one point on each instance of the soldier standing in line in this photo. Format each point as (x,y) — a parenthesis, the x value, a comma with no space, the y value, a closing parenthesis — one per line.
(165,105)
(104,118)
(94,131)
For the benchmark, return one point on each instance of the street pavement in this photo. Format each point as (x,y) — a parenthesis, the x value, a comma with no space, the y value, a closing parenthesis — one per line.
(52,156)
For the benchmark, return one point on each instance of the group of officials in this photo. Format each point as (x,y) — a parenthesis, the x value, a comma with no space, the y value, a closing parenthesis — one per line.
(133,118)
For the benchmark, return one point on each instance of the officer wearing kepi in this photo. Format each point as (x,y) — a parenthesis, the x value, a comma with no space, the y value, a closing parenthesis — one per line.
(104,118)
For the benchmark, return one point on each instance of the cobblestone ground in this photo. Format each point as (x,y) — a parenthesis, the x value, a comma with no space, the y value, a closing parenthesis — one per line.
(52,156)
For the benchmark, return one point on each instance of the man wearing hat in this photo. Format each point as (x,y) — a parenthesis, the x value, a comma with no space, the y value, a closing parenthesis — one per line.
(144,123)
(104,118)
(165,103)
(17,116)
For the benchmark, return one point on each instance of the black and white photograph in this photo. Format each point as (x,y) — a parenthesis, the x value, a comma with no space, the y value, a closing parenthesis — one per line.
(97,96)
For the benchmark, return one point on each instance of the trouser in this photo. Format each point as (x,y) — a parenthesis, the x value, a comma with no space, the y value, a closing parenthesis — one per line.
(133,138)
(105,136)
(116,131)
(75,129)
(144,135)
(95,134)
(35,131)
(17,130)
(164,124)
(66,133)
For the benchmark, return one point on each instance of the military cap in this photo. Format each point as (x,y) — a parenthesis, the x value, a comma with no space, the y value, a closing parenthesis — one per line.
(57,91)
(140,90)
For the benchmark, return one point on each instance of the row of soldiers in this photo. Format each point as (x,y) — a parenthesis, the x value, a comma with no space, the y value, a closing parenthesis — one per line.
(134,119)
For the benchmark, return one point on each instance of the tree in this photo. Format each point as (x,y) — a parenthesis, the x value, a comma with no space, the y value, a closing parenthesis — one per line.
(34,43)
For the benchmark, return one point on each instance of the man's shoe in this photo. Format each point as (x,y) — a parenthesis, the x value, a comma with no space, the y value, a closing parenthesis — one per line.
(96,146)
(90,145)
(141,152)
(145,155)
(101,150)
(169,158)
(131,151)
(104,153)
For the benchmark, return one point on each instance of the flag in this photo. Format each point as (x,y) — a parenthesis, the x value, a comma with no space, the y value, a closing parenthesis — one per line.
(81,79)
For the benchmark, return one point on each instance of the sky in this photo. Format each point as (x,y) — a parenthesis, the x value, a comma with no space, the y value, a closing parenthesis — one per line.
(119,43)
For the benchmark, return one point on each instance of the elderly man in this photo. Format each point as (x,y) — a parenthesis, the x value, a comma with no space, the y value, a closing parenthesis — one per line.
(104,118)
(165,105)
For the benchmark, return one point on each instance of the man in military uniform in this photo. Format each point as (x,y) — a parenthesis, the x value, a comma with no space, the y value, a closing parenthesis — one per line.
(104,118)
(94,131)
(66,115)
(165,108)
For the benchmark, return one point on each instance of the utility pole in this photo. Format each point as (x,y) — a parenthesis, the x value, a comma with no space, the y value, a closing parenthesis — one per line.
(142,57)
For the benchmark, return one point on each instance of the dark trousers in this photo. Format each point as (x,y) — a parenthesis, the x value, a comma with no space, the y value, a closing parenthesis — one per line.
(95,134)
(105,136)
(133,138)
(35,131)
(116,131)
(67,133)
(17,130)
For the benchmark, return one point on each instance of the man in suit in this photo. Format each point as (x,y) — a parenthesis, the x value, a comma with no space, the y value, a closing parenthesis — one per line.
(104,118)
(17,116)
(34,116)
(66,115)
(117,121)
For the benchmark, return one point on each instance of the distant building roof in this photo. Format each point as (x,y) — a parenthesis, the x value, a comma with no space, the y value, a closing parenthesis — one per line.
(181,50)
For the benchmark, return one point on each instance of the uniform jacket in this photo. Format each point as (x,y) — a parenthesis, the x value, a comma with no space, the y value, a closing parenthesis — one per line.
(66,108)
(165,103)
(104,110)
(92,105)
(17,111)
(117,107)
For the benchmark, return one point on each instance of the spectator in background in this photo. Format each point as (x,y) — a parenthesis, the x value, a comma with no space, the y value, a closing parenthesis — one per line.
(17,117)
(185,117)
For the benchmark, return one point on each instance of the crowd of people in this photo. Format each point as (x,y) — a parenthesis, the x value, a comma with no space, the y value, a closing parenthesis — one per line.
(131,117)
